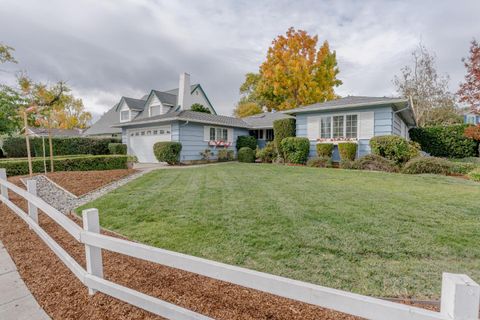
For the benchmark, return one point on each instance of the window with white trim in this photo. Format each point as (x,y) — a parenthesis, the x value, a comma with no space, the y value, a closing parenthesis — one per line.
(269,134)
(351,126)
(124,115)
(218,134)
(325,127)
(339,126)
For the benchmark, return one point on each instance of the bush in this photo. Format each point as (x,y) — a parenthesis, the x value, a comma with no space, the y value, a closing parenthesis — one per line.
(296,149)
(347,150)
(117,148)
(445,141)
(80,163)
(394,148)
(347,164)
(168,152)
(427,165)
(246,141)
(283,128)
(375,163)
(320,162)
(468,159)
(462,167)
(268,153)
(197,107)
(206,154)
(475,175)
(325,149)
(225,155)
(246,154)
(15,147)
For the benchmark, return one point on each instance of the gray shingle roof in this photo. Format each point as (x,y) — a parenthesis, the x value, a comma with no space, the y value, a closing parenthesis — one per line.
(166,98)
(103,125)
(187,115)
(265,120)
(136,104)
(56,132)
(350,101)
(175,91)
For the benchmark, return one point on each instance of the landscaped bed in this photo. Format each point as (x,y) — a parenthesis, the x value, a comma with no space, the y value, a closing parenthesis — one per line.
(374,233)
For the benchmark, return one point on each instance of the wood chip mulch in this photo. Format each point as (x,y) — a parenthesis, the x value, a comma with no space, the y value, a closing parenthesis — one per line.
(82,182)
(63,297)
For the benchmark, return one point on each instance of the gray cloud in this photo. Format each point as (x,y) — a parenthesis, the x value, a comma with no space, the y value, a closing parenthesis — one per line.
(105,49)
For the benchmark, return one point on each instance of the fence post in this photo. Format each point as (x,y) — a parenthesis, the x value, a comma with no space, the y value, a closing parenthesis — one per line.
(91,223)
(32,210)
(3,176)
(460,297)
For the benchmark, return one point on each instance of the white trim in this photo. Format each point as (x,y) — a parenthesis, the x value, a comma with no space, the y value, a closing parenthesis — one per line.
(352,105)
(206,133)
(314,125)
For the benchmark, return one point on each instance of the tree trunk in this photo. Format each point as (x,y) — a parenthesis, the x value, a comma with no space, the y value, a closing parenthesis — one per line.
(50,144)
(27,142)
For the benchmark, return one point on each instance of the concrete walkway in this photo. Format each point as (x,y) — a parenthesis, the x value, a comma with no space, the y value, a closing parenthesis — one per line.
(16,301)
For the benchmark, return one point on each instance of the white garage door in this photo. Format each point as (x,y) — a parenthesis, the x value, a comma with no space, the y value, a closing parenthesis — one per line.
(141,141)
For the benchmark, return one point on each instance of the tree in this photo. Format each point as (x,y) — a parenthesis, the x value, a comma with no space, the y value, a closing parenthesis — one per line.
(6,54)
(199,108)
(469,91)
(432,102)
(10,119)
(294,73)
(245,109)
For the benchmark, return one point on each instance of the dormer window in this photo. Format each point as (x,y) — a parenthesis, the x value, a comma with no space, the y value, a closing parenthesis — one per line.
(155,110)
(125,115)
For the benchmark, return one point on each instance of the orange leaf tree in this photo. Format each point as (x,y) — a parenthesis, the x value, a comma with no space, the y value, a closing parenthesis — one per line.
(469,91)
(473,132)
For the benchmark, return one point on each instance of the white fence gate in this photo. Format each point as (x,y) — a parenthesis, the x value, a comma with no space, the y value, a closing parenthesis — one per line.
(460,296)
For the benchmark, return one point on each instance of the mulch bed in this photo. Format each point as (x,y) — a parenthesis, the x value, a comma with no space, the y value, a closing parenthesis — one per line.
(64,297)
(82,182)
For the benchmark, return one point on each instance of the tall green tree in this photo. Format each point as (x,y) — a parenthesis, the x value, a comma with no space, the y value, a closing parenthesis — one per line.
(294,73)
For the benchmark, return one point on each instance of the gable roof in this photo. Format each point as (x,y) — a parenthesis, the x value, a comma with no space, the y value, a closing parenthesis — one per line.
(265,119)
(103,125)
(56,132)
(187,115)
(134,104)
(165,97)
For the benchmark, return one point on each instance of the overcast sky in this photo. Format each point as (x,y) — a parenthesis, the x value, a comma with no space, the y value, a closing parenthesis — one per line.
(106,49)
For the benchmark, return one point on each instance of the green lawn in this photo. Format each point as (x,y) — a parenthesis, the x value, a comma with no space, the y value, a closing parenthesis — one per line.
(368,232)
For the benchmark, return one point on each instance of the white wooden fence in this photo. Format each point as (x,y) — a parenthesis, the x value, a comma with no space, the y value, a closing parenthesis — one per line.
(460,297)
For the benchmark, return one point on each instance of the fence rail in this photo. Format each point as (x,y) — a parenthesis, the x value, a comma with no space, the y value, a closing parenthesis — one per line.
(460,294)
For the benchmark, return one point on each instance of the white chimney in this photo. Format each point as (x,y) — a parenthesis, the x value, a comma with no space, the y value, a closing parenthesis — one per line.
(184,91)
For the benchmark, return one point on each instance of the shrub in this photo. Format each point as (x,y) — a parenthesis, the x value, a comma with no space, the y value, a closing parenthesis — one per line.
(246,141)
(246,154)
(427,165)
(347,164)
(117,148)
(296,149)
(325,149)
(347,150)
(375,163)
(197,107)
(168,152)
(79,163)
(320,162)
(206,154)
(225,155)
(475,175)
(268,153)
(468,159)
(394,148)
(283,128)
(445,141)
(15,147)
(462,167)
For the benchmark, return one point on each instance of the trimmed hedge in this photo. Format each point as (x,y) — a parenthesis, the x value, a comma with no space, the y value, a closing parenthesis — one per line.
(374,162)
(445,141)
(347,150)
(168,152)
(427,165)
(267,154)
(325,149)
(246,154)
(296,149)
(320,162)
(117,148)
(283,128)
(81,163)
(246,141)
(15,147)
(225,155)
(394,148)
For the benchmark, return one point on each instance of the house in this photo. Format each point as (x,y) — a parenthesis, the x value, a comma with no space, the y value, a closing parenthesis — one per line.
(160,102)
(261,125)
(353,118)
(471,118)
(55,132)
(165,116)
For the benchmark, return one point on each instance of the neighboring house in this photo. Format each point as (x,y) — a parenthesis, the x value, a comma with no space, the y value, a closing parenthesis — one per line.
(261,125)
(43,132)
(353,118)
(165,116)
(471,118)
(156,102)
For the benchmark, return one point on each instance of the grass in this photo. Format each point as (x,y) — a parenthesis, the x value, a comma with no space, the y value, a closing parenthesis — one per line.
(372,233)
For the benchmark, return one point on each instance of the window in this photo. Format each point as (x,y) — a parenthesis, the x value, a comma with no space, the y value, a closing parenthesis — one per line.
(337,127)
(326,127)
(470,119)
(125,115)
(218,134)
(155,132)
(212,134)
(137,133)
(351,126)
(149,133)
(132,134)
(154,111)
(269,134)
(142,133)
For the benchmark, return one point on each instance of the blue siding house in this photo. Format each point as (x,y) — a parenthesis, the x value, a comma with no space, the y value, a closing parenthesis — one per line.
(471,118)
(353,118)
